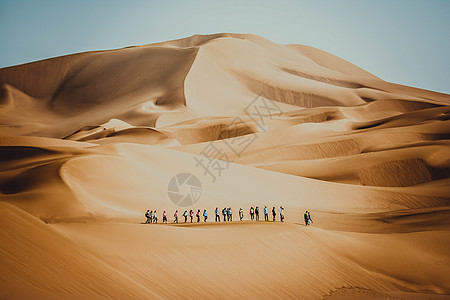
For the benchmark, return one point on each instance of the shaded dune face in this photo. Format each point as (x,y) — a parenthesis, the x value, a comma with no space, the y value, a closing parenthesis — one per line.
(92,139)
(134,84)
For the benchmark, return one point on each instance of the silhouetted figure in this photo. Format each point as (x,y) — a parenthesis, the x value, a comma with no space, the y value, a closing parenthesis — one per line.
(252,213)
(198,216)
(306,217)
(257,213)
(274,213)
(185,215)
(230,214)
(164,217)
(205,215)
(241,214)
(155,217)
(191,214)
(266,213)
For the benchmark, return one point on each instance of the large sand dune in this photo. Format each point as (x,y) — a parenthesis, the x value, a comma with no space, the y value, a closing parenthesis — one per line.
(90,141)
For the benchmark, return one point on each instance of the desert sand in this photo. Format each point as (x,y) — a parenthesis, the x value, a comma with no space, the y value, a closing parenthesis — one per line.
(90,141)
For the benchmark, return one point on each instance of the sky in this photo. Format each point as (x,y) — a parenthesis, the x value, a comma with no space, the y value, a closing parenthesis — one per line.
(401,41)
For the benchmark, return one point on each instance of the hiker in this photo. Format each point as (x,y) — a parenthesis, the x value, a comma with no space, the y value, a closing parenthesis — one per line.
(282,213)
(155,217)
(216,212)
(266,213)
(205,215)
(191,214)
(252,213)
(198,216)
(176,216)
(306,217)
(148,216)
(230,214)
(224,213)
(185,215)
(309,218)
(164,217)
(257,213)
(241,214)
(274,213)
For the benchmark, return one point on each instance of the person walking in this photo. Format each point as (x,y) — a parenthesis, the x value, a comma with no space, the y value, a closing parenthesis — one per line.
(224,213)
(217,213)
(185,215)
(266,213)
(230,214)
(205,215)
(257,214)
(155,217)
(175,216)
(252,213)
(306,217)
(282,213)
(309,218)
(274,213)
(164,217)
(191,214)
(198,216)
(148,216)
(241,214)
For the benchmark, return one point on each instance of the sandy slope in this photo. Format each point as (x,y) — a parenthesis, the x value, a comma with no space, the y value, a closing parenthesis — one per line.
(90,141)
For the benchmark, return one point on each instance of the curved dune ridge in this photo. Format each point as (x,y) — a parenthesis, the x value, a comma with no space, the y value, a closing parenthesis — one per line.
(90,141)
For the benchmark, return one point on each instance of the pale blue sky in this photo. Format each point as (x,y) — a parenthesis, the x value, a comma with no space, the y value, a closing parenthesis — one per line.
(402,41)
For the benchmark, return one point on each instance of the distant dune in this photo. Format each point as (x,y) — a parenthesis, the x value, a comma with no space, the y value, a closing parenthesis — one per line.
(90,141)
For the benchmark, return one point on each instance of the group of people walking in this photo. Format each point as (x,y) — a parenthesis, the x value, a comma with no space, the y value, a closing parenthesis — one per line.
(152,216)
(254,213)
(226,212)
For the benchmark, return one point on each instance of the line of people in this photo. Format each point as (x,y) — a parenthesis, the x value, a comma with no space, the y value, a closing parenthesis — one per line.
(254,214)
(152,216)
(226,212)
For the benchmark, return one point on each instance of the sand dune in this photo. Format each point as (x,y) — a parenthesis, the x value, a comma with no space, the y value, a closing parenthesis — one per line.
(90,141)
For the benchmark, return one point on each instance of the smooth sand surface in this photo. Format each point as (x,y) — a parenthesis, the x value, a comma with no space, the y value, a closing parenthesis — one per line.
(90,141)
